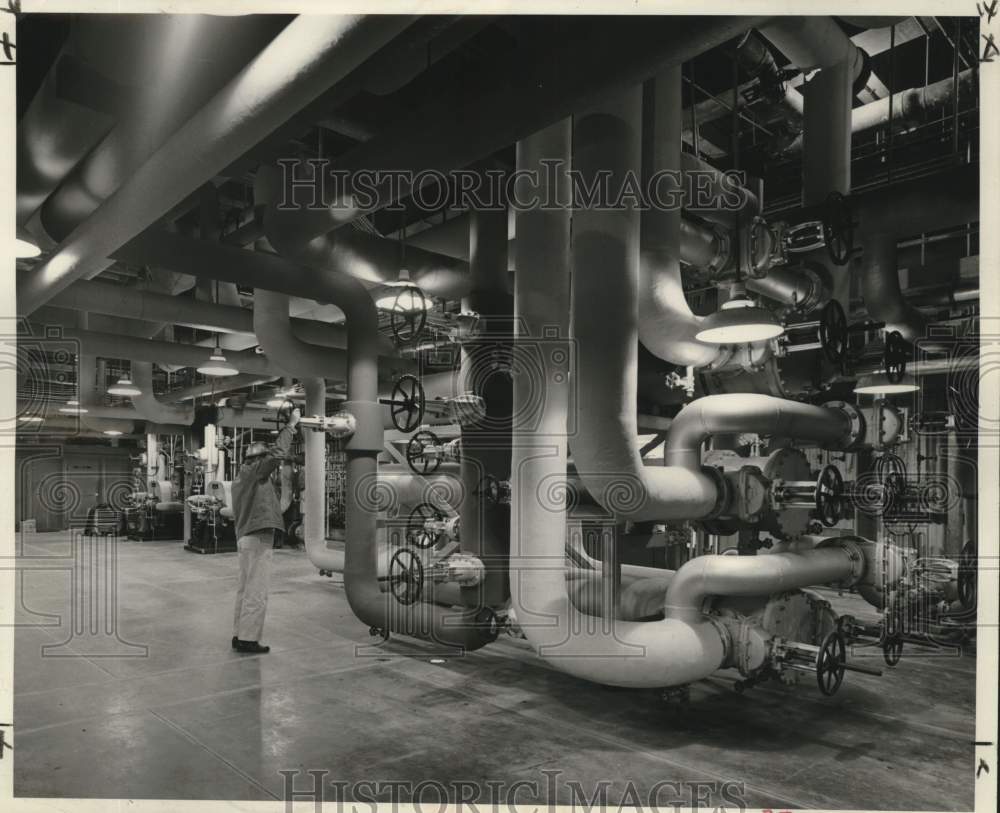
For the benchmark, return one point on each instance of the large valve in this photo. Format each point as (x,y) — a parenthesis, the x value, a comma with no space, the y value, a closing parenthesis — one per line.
(406,403)
(838,228)
(408,314)
(828,661)
(831,662)
(428,526)
(895,356)
(406,576)
(825,495)
(425,452)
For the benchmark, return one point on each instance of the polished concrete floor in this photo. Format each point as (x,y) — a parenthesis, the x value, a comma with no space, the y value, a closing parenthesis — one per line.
(126,687)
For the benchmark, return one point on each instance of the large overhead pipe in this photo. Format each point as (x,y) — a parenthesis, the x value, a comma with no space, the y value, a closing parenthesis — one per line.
(309,56)
(114,345)
(351,251)
(212,49)
(811,43)
(548,84)
(666,325)
(149,306)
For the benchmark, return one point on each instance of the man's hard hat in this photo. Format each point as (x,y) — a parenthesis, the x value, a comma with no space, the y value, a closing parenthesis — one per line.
(257,448)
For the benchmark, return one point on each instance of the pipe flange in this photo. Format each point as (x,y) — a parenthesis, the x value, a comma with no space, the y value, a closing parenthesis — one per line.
(723,254)
(854,425)
(854,552)
(725,636)
(724,495)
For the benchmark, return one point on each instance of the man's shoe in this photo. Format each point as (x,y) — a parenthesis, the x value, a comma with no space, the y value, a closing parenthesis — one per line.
(251,647)
(236,642)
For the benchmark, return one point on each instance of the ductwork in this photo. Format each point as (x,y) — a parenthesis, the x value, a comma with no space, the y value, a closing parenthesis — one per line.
(309,56)
(213,49)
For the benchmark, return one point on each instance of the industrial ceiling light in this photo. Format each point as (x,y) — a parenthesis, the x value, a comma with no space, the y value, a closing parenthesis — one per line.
(25,248)
(73,407)
(217,365)
(112,432)
(30,418)
(879,384)
(402,296)
(124,387)
(739,321)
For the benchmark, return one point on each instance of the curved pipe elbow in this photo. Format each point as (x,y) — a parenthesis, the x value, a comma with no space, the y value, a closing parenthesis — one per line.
(273,326)
(149,406)
(733,413)
(707,576)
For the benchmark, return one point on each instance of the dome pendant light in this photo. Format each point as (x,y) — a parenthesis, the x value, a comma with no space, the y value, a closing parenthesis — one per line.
(73,407)
(124,388)
(739,321)
(879,385)
(217,365)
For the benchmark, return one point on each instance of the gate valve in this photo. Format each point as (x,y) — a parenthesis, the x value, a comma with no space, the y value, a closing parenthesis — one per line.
(828,333)
(406,403)
(825,495)
(838,228)
(803,237)
(932,423)
(465,325)
(425,452)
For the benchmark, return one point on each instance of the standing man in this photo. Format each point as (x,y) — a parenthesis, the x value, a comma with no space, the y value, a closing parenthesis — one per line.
(257,512)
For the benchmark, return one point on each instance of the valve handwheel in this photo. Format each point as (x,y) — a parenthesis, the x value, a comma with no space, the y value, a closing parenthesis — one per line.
(419,461)
(968,575)
(831,663)
(416,532)
(833,332)
(407,403)
(838,228)
(895,355)
(892,630)
(406,576)
(829,495)
(408,314)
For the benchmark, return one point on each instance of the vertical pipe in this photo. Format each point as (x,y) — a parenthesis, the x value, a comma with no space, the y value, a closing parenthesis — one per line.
(486,442)
(314,498)
(826,139)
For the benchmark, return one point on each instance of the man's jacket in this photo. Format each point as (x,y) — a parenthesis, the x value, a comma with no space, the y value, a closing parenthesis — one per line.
(255,500)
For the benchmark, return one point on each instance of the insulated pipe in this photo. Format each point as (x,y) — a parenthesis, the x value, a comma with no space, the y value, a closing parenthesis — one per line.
(287,351)
(149,306)
(736,413)
(666,325)
(550,83)
(621,653)
(147,404)
(898,211)
(309,56)
(713,195)
(607,321)
(211,49)
(314,499)
(813,42)
(788,286)
(909,107)
(881,292)
(705,576)
(351,251)
(113,345)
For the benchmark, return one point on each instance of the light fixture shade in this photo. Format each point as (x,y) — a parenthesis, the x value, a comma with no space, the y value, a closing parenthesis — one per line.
(217,365)
(401,296)
(112,432)
(739,321)
(124,387)
(29,418)
(879,384)
(73,408)
(25,249)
